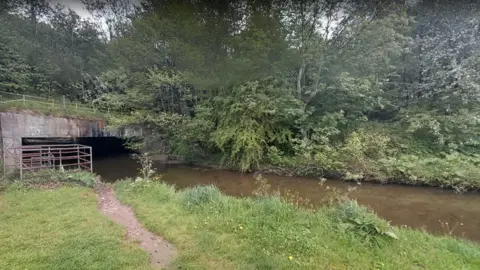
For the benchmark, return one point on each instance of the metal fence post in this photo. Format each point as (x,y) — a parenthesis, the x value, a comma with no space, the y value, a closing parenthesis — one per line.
(78,156)
(23,98)
(64,101)
(50,158)
(60,157)
(91,160)
(21,163)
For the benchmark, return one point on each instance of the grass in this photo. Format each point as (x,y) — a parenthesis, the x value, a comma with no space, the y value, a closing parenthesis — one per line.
(61,229)
(215,231)
(48,178)
(53,110)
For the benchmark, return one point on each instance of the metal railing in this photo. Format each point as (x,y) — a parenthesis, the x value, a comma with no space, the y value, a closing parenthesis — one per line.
(36,157)
(8,99)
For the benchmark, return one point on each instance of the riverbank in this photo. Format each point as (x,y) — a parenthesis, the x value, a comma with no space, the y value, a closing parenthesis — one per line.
(455,171)
(214,231)
(54,222)
(45,225)
(414,206)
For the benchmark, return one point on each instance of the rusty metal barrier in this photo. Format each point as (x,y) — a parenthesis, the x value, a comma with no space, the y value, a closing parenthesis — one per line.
(36,157)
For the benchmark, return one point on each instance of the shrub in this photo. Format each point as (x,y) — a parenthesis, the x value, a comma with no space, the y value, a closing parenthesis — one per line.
(263,187)
(200,195)
(252,117)
(3,184)
(356,219)
(145,161)
(454,170)
(359,153)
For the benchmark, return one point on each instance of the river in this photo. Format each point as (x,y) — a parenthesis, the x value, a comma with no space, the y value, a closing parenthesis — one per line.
(416,207)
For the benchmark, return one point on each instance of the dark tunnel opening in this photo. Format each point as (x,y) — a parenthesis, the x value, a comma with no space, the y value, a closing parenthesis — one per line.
(102,147)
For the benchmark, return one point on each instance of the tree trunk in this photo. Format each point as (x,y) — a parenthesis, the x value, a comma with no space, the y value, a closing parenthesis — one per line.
(301,70)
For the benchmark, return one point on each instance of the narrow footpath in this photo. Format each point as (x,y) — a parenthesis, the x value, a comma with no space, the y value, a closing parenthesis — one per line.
(160,251)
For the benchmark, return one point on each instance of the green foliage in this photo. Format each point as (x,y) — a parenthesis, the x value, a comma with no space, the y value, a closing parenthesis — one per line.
(53,108)
(145,161)
(354,159)
(192,139)
(263,188)
(14,71)
(48,58)
(451,170)
(200,195)
(445,132)
(271,233)
(360,152)
(353,218)
(158,191)
(323,88)
(251,118)
(54,178)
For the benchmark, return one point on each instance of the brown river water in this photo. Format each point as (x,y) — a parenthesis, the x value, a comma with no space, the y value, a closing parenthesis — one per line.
(416,207)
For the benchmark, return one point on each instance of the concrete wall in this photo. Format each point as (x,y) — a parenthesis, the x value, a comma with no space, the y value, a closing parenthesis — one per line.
(14,126)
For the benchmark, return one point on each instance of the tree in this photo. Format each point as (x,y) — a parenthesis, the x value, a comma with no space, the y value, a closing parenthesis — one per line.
(443,57)
(251,118)
(116,14)
(51,49)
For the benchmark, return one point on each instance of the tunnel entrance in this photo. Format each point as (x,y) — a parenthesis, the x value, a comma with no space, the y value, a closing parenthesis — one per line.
(102,147)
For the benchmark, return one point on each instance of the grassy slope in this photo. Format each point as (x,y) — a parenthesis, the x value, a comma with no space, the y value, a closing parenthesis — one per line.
(61,229)
(232,233)
(58,111)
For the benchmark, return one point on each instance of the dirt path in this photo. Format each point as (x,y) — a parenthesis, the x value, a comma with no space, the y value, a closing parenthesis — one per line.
(160,251)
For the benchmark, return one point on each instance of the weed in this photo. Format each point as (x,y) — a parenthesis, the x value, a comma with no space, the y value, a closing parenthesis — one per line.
(146,170)
(294,199)
(200,195)
(52,179)
(263,188)
(352,217)
(335,196)
(447,229)
(3,184)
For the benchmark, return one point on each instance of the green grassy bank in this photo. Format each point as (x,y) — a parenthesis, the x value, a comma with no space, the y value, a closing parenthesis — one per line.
(61,229)
(53,223)
(57,110)
(214,231)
